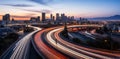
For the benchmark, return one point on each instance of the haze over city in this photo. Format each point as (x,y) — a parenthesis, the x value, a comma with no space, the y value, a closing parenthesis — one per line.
(24,9)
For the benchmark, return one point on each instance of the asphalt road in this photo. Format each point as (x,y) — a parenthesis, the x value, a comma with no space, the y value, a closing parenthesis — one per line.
(77,51)
(20,49)
(47,51)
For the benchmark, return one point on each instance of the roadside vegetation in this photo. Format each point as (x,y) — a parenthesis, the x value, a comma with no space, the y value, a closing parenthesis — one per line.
(9,39)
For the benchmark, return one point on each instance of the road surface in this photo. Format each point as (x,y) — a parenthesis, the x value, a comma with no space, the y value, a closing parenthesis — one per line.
(47,51)
(20,49)
(76,51)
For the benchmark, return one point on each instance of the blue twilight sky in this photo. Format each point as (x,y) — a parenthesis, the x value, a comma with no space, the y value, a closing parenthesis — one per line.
(78,8)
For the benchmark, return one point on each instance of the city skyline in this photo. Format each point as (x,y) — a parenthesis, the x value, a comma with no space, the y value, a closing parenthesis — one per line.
(24,9)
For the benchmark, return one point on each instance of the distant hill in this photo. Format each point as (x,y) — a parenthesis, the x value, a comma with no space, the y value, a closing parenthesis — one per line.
(115,17)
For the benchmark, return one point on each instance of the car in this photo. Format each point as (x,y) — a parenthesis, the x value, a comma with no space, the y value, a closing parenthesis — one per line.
(8,33)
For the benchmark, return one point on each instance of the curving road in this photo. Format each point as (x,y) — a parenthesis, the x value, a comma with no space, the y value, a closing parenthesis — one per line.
(47,51)
(20,49)
(75,50)
(50,45)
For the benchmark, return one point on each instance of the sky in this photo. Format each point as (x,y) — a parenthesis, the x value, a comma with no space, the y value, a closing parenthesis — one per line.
(24,9)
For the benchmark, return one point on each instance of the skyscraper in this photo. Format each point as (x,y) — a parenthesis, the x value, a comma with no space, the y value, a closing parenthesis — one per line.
(63,17)
(38,19)
(57,16)
(53,18)
(6,18)
(35,19)
(43,17)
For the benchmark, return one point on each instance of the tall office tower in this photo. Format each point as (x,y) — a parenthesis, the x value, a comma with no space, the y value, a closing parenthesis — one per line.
(51,16)
(72,17)
(33,19)
(6,18)
(63,17)
(69,17)
(80,18)
(43,17)
(57,16)
(38,19)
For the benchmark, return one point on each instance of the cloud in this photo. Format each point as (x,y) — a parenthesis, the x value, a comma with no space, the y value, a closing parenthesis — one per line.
(38,11)
(18,5)
(15,16)
(44,2)
(46,11)
(25,15)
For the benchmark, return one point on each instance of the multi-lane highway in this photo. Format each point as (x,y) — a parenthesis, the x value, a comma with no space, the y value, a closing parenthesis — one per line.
(93,52)
(43,48)
(53,39)
(71,49)
(49,44)
(19,50)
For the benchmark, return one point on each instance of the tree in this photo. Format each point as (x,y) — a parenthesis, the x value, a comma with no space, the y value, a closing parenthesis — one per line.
(65,31)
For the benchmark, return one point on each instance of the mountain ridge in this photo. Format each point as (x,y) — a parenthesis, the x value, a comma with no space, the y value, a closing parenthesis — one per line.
(114,17)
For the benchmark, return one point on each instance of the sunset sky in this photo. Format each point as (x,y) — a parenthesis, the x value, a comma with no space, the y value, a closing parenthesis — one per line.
(24,9)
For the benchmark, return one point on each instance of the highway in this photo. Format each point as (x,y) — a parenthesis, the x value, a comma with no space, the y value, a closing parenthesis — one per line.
(47,51)
(49,44)
(44,49)
(20,49)
(75,50)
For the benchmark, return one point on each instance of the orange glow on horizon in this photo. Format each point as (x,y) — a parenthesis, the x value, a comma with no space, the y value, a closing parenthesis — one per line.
(47,16)
(17,18)
(21,18)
